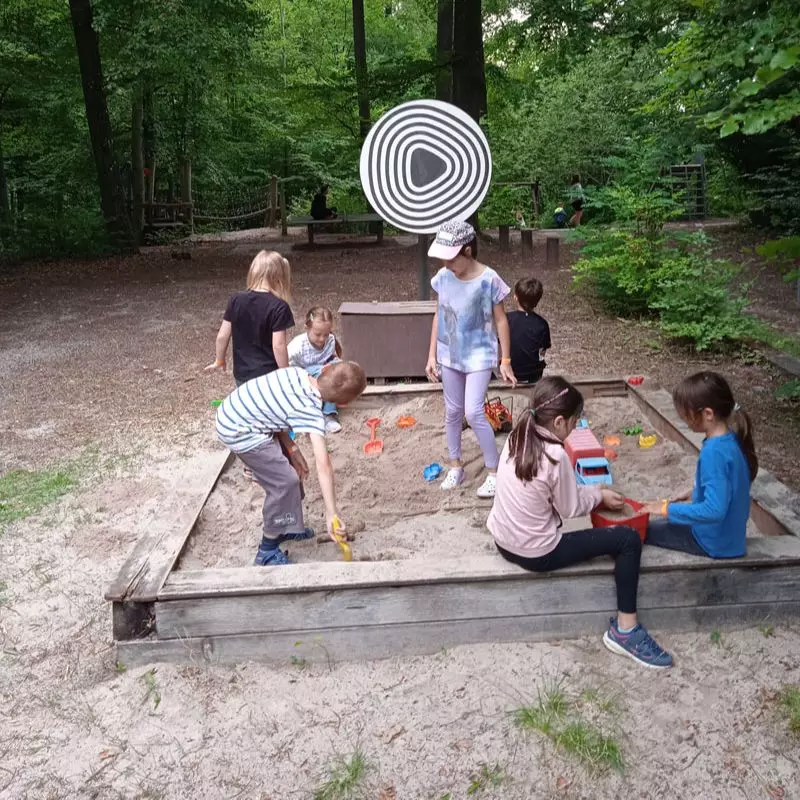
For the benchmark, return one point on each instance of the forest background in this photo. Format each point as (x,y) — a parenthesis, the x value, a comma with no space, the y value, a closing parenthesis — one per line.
(615,90)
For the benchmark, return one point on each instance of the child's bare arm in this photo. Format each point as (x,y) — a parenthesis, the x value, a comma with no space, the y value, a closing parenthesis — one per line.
(325,474)
(504,335)
(223,337)
(280,348)
(337,347)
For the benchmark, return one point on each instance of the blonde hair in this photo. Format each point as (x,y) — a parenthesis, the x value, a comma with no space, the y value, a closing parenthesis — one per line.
(271,271)
(318,314)
(341,382)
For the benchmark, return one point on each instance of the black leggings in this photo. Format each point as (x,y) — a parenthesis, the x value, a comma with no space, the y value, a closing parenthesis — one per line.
(620,542)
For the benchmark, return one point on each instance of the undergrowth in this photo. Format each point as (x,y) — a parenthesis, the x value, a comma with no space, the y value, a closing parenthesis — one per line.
(346,778)
(790,704)
(24,492)
(557,717)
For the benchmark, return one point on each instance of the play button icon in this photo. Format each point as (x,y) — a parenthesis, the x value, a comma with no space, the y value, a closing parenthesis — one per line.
(425,167)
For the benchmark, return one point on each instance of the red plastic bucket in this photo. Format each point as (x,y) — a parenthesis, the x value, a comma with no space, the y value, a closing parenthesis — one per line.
(638,522)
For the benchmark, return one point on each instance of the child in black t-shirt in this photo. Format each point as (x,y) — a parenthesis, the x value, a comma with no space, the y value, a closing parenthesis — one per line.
(530,333)
(257,319)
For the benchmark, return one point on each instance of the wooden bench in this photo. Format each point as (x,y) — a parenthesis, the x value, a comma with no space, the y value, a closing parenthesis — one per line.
(375,223)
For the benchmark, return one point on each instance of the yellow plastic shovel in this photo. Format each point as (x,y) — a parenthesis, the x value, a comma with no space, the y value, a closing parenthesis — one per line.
(347,553)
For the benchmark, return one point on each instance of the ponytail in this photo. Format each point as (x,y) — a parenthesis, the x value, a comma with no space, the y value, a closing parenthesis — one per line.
(553,397)
(710,390)
(741,424)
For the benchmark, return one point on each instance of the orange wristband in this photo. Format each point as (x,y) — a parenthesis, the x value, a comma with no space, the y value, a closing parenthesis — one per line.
(664,507)
(220,362)
(505,360)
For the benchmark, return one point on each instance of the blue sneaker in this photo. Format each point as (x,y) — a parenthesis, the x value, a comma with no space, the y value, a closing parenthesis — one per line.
(638,645)
(270,555)
(303,535)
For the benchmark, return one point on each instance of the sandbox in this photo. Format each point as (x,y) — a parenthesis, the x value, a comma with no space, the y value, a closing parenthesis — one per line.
(425,573)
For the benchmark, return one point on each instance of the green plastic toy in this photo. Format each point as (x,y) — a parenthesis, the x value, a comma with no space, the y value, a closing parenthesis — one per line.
(633,431)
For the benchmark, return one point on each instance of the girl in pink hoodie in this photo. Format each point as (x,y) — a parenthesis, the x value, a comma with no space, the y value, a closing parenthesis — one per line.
(536,488)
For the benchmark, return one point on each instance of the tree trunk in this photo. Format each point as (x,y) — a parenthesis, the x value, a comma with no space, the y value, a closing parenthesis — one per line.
(149,144)
(444,51)
(362,82)
(137,163)
(112,196)
(5,206)
(469,78)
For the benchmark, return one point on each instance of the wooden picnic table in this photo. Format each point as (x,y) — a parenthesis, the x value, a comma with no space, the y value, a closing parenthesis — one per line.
(375,223)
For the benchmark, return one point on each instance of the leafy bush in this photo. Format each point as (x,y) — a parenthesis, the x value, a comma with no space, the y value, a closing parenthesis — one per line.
(638,269)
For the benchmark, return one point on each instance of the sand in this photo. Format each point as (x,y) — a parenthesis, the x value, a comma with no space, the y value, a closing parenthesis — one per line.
(393,512)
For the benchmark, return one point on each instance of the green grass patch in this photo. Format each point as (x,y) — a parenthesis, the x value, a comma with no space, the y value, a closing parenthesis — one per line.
(790,704)
(554,715)
(346,778)
(488,776)
(23,492)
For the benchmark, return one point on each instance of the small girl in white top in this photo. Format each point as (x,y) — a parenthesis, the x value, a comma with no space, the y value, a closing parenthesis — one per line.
(536,487)
(314,350)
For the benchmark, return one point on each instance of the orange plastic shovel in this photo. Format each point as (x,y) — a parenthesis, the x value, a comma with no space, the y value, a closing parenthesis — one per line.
(374,446)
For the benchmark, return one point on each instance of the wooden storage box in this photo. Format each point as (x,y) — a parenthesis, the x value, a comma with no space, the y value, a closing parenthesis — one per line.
(389,340)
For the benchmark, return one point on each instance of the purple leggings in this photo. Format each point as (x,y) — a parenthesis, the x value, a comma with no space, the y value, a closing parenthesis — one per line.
(464,394)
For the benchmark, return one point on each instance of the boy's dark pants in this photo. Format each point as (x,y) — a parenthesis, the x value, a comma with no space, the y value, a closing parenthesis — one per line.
(283,504)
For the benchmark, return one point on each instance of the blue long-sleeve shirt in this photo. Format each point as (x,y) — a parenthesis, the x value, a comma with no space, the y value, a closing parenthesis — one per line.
(721,499)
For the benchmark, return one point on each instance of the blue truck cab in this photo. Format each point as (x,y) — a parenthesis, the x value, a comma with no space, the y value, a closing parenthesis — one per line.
(591,471)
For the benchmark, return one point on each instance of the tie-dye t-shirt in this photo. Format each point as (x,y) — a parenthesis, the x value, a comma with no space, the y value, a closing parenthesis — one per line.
(466,338)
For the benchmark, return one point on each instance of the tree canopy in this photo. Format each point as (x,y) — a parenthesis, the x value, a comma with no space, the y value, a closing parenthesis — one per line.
(610,89)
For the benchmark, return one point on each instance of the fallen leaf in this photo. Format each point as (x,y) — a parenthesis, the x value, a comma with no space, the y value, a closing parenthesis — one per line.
(562,783)
(398,730)
(388,793)
(776,792)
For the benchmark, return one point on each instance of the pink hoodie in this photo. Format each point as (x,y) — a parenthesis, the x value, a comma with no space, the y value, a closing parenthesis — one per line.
(525,517)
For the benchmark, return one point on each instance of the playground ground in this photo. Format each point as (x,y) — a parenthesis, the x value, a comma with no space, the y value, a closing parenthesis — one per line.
(103,377)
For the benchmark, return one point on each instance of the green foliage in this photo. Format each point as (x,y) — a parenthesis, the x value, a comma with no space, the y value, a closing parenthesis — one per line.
(785,252)
(639,269)
(487,777)
(790,703)
(23,493)
(346,778)
(790,390)
(554,715)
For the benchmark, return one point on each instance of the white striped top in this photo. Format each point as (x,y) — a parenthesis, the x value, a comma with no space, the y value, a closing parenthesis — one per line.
(279,401)
(303,354)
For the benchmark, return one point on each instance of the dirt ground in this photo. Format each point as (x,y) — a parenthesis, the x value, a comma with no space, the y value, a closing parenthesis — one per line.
(386,502)
(102,365)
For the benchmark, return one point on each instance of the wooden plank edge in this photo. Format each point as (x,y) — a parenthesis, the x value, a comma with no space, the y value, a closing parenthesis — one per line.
(771,501)
(332,576)
(615,387)
(411,639)
(126,590)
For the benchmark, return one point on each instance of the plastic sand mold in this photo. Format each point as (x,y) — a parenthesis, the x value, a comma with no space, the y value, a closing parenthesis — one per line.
(610,454)
(215,403)
(347,553)
(632,431)
(636,380)
(612,440)
(432,472)
(647,441)
(406,422)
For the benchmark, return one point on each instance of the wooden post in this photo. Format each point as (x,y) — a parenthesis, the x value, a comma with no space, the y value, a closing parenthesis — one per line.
(536,198)
(551,251)
(186,190)
(504,237)
(424,272)
(272,213)
(284,225)
(526,234)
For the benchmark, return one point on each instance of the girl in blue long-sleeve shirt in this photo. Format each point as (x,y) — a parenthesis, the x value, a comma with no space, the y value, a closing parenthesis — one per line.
(714,521)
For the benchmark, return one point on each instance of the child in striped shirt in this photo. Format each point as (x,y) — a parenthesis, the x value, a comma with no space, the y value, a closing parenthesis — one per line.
(314,350)
(254,422)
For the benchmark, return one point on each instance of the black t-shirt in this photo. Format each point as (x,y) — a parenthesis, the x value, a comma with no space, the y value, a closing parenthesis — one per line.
(530,334)
(254,317)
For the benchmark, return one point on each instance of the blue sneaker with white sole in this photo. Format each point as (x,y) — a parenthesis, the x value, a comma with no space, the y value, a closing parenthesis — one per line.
(637,644)
(270,555)
(302,536)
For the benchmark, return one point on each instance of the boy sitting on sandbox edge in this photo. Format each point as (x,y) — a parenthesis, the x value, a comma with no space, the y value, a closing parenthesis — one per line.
(254,422)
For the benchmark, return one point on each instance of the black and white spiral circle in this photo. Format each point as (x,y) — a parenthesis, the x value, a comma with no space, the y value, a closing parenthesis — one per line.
(423,163)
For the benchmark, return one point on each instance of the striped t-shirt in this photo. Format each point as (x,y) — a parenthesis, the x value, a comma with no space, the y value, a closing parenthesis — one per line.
(303,354)
(280,401)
